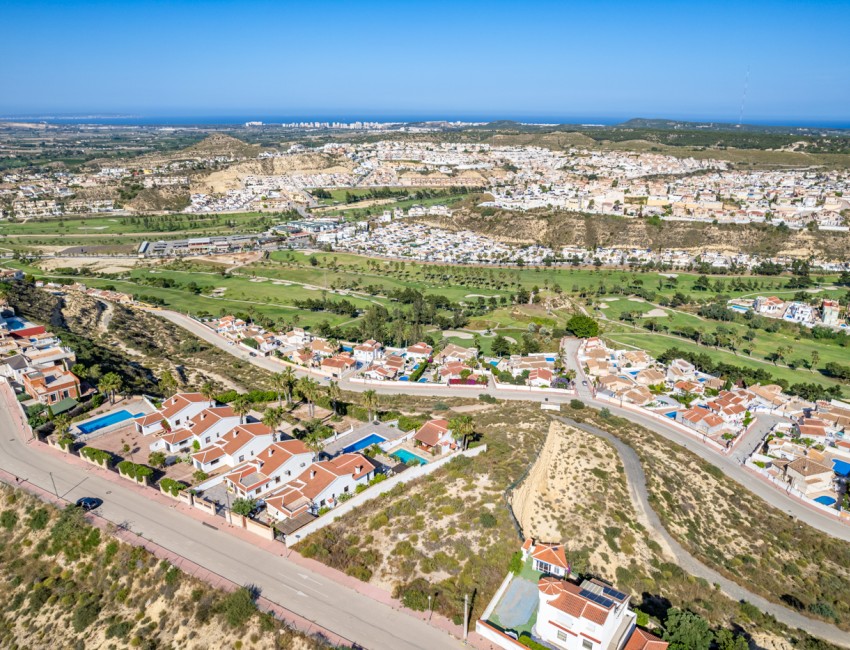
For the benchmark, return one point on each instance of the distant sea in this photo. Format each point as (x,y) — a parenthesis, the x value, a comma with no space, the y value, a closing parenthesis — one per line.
(232,120)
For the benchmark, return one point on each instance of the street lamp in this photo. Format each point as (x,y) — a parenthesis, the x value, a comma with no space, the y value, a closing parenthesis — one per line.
(55,491)
(429,608)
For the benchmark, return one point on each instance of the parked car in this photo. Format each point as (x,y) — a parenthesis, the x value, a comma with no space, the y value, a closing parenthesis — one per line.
(88,503)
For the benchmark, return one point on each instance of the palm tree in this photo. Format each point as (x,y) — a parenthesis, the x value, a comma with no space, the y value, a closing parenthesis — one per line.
(209,391)
(462,428)
(307,387)
(61,425)
(289,379)
(241,406)
(370,403)
(313,443)
(334,394)
(110,384)
(279,383)
(815,359)
(273,417)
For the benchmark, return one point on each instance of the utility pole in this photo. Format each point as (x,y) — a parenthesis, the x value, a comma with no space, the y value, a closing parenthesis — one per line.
(465,617)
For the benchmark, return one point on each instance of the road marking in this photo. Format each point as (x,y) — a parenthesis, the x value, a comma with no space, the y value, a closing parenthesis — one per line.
(297,591)
(304,576)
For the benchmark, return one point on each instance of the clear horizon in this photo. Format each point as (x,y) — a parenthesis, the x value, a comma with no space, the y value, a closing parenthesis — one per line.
(778,63)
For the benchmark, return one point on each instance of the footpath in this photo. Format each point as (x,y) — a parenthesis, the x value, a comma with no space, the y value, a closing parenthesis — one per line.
(294,620)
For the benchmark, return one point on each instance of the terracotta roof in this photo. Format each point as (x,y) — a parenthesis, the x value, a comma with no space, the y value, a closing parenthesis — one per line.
(431,432)
(643,640)
(151,418)
(176,403)
(550,554)
(807,467)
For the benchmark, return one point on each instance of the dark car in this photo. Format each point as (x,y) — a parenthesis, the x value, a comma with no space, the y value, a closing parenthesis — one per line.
(88,503)
(253,354)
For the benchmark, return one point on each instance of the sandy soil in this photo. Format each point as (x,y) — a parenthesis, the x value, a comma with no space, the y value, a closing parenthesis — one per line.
(93,264)
(656,313)
(457,334)
(576,494)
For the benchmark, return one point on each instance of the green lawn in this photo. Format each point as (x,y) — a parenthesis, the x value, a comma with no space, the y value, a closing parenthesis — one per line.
(656,344)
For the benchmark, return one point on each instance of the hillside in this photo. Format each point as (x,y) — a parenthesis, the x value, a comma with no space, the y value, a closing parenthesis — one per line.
(558,229)
(67,585)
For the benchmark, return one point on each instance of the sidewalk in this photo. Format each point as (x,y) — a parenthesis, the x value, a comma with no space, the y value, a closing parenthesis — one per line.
(219,523)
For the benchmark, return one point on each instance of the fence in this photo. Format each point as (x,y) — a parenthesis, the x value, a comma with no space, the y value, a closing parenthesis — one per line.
(377,490)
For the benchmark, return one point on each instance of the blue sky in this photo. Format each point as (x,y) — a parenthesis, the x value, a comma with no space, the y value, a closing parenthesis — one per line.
(526,60)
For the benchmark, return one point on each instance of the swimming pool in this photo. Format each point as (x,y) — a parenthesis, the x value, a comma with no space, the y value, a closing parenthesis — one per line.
(739,308)
(405,457)
(107,421)
(15,323)
(840,467)
(363,443)
(825,500)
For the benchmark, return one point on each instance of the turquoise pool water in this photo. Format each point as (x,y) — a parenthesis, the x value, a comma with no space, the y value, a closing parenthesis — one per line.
(107,421)
(405,457)
(363,443)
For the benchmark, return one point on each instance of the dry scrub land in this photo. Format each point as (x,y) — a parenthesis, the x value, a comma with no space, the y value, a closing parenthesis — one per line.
(65,585)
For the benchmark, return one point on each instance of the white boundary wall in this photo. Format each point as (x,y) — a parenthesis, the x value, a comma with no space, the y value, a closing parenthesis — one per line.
(377,490)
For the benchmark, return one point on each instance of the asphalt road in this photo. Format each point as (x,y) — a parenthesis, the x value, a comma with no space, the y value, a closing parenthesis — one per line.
(636,480)
(335,607)
(730,465)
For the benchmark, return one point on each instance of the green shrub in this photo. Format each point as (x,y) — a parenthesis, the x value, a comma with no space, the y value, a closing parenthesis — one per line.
(38,519)
(414,595)
(239,607)
(9,519)
(487,519)
(119,629)
(379,521)
(526,640)
(576,404)
(171,486)
(515,565)
(86,613)
(135,471)
(99,456)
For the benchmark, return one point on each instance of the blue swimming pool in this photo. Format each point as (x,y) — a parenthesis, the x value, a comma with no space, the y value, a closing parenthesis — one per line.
(15,323)
(107,421)
(405,457)
(825,500)
(740,308)
(840,467)
(363,443)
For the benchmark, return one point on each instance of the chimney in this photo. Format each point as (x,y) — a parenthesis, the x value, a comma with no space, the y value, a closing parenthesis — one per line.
(312,473)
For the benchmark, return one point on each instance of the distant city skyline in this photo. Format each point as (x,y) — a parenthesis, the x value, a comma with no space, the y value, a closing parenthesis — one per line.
(535,62)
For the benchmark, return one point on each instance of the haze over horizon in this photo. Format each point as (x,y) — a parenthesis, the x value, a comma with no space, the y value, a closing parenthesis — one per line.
(500,60)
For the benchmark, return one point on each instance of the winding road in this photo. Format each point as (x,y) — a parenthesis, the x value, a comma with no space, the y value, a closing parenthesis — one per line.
(636,480)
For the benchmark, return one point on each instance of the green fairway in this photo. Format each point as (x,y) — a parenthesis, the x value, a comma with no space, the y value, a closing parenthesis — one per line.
(656,344)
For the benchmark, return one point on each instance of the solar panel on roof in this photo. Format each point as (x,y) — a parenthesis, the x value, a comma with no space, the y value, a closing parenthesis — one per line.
(596,598)
(610,591)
